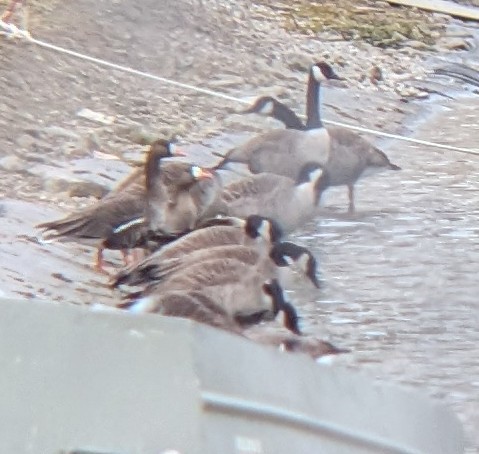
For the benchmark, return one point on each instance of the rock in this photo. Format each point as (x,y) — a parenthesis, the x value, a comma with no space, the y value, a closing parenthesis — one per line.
(25,141)
(87,189)
(136,133)
(12,164)
(58,131)
(418,45)
(230,81)
(96,117)
(452,43)
(89,143)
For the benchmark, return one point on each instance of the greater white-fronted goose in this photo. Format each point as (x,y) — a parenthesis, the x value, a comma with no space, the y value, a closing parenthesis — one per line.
(284,152)
(173,204)
(290,203)
(254,231)
(351,156)
(100,221)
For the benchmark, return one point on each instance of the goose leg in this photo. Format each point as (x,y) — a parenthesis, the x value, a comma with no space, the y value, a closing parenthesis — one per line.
(126,257)
(351,198)
(99,263)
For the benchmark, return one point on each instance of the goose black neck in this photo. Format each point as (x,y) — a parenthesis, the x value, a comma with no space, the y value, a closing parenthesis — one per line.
(287,117)
(313,104)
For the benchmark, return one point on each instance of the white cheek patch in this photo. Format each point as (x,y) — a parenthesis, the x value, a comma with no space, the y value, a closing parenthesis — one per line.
(316,175)
(303,261)
(288,260)
(264,230)
(318,74)
(267,109)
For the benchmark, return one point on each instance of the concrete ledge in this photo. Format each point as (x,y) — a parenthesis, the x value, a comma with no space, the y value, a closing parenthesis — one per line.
(78,381)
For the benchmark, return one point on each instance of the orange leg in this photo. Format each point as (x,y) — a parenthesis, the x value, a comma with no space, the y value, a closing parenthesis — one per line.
(99,264)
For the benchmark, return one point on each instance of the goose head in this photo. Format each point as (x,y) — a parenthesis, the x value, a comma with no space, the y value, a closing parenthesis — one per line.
(165,149)
(265,105)
(318,72)
(273,291)
(290,254)
(182,174)
(323,71)
(261,227)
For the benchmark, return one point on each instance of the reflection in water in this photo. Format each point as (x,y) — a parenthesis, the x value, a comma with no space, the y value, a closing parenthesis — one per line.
(400,276)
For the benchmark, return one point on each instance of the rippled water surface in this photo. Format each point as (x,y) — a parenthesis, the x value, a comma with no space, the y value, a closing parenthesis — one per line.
(400,276)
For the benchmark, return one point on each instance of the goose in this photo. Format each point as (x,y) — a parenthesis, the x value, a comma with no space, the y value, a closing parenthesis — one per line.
(177,197)
(256,231)
(284,152)
(351,156)
(271,107)
(289,342)
(93,225)
(290,203)
(173,202)
(281,255)
(243,293)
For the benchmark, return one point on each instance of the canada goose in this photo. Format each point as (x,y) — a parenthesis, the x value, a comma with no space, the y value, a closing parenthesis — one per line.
(312,346)
(284,152)
(121,206)
(281,255)
(243,294)
(269,106)
(254,231)
(191,304)
(351,156)
(290,203)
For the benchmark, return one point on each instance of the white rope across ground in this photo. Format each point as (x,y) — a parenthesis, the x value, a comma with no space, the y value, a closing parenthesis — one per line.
(12,31)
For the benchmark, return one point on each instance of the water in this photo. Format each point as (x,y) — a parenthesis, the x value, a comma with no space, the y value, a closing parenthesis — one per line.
(400,276)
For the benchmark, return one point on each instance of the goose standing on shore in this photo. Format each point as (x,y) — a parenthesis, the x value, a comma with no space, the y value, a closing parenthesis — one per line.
(290,203)
(351,156)
(285,152)
(95,224)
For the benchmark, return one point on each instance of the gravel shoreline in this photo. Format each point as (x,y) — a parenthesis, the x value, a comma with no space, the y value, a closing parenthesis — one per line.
(231,47)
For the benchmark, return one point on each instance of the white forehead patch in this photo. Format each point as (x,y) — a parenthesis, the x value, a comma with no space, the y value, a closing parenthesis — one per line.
(196,171)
